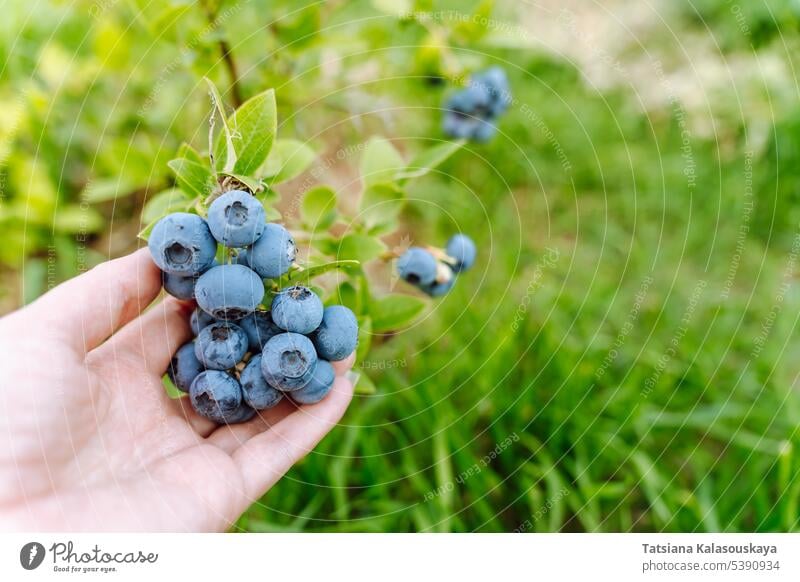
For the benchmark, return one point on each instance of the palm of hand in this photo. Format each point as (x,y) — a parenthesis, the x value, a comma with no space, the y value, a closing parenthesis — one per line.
(93,441)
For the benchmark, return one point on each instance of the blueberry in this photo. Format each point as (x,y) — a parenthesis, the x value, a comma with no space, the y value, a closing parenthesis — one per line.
(496,83)
(240,415)
(288,361)
(257,393)
(259,328)
(437,289)
(461,248)
(184,367)
(337,335)
(483,131)
(229,292)
(177,286)
(241,258)
(181,244)
(318,387)
(221,345)
(297,309)
(417,266)
(216,395)
(236,219)
(181,287)
(199,320)
(272,254)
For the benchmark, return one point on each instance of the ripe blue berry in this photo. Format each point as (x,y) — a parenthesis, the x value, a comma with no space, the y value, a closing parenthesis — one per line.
(199,320)
(483,131)
(181,287)
(181,244)
(184,367)
(461,248)
(177,286)
(437,289)
(257,393)
(259,328)
(288,361)
(417,266)
(297,309)
(496,83)
(217,396)
(273,253)
(337,335)
(221,345)
(229,292)
(240,415)
(318,387)
(236,219)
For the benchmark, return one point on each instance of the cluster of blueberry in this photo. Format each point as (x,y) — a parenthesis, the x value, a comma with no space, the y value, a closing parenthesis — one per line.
(471,113)
(433,270)
(245,358)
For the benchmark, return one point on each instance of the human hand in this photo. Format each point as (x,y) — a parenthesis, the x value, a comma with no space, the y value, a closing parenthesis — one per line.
(89,439)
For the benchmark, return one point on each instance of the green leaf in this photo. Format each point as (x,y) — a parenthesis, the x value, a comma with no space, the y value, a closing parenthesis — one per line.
(224,152)
(288,159)
(380,204)
(428,159)
(144,234)
(309,273)
(103,190)
(318,208)
(359,247)
(364,386)
(194,178)
(380,162)
(394,311)
(346,294)
(252,129)
(188,152)
(165,202)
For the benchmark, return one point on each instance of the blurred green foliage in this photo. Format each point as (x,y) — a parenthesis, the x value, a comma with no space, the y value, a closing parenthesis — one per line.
(622,357)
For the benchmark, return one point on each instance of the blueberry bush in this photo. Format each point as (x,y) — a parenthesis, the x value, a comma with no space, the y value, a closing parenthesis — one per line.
(620,356)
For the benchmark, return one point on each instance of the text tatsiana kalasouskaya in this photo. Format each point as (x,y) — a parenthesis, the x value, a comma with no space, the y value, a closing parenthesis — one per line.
(712,548)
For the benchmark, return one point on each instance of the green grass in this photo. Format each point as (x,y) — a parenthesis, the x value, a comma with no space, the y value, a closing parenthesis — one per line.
(622,356)
(637,391)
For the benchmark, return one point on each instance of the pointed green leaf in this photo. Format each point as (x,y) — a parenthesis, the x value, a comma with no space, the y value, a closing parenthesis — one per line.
(309,273)
(165,202)
(346,294)
(252,129)
(188,152)
(428,159)
(359,247)
(381,203)
(380,162)
(193,177)
(144,234)
(394,312)
(288,159)
(318,208)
